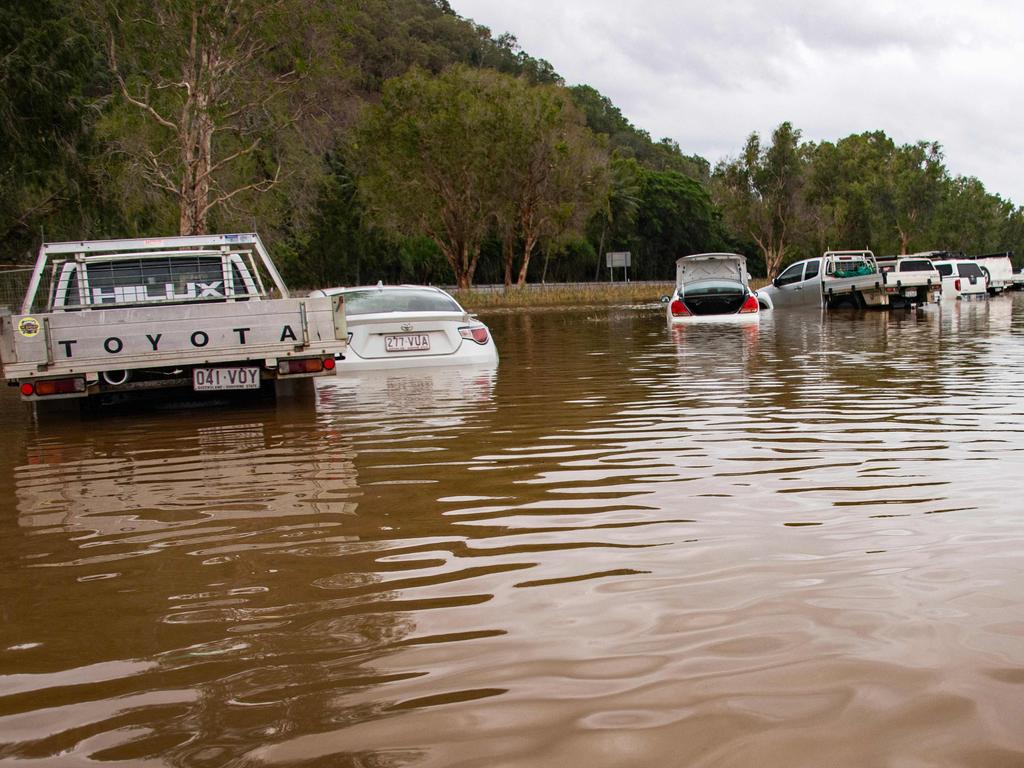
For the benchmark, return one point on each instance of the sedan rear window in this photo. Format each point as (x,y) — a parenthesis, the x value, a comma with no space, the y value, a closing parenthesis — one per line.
(713,288)
(402,300)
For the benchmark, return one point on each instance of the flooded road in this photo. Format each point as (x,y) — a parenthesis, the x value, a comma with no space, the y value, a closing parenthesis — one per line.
(798,544)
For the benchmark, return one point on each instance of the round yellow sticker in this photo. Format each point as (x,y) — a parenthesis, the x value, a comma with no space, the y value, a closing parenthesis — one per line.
(28,326)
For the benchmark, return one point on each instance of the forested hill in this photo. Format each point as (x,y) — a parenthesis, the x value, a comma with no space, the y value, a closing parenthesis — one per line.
(396,140)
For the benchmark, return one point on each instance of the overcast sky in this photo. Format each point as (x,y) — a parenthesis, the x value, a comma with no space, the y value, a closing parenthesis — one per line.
(709,73)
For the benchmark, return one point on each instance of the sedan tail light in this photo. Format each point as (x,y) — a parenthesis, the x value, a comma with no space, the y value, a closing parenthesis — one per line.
(678,309)
(750,305)
(477,333)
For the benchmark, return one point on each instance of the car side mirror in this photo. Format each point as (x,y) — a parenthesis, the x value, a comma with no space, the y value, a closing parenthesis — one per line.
(665,299)
(775,282)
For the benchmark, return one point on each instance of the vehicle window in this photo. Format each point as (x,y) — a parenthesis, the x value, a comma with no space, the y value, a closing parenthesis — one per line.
(713,288)
(163,279)
(66,294)
(945,269)
(811,271)
(404,300)
(240,288)
(790,275)
(969,269)
(916,265)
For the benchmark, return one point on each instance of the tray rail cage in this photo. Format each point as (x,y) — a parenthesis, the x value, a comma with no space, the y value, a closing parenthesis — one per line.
(147,271)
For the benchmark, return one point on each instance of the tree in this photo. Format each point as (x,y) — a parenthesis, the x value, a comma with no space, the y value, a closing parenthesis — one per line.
(426,157)
(553,173)
(911,190)
(617,213)
(969,219)
(843,190)
(208,95)
(675,217)
(48,72)
(451,156)
(762,193)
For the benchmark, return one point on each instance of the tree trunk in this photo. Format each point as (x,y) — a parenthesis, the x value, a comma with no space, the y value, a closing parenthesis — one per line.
(508,254)
(528,245)
(772,260)
(904,240)
(600,251)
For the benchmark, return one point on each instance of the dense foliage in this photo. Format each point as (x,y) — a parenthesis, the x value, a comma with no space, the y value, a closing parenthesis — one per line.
(396,140)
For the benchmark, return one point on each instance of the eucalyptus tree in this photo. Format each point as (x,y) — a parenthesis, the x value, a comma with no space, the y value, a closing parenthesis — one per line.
(843,190)
(970,219)
(912,187)
(554,172)
(426,157)
(762,193)
(214,103)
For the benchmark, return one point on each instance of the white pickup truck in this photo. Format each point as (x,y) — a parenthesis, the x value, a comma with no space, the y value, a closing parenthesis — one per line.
(852,278)
(911,280)
(106,318)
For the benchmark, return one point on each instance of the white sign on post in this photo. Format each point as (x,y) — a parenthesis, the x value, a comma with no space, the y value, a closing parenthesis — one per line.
(618,259)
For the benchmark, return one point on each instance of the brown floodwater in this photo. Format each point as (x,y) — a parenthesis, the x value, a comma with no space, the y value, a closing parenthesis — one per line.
(794,544)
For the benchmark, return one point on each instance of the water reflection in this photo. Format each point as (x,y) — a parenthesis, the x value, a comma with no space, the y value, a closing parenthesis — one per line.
(789,544)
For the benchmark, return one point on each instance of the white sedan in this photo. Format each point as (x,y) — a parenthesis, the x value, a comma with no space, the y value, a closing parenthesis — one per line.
(408,326)
(715,287)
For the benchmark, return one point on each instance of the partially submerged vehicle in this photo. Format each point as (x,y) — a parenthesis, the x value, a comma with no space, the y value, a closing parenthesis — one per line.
(106,319)
(714,286)
(856,279)
(911,280)
(962,279)
(409,326)
(998,269)
(835,279)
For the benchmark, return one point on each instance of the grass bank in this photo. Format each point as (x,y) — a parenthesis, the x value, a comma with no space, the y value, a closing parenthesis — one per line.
(567,294)
(561,295)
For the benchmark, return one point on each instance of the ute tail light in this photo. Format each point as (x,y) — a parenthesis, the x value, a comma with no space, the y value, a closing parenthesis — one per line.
(477,333)
(956,285)
(750,305)
(304,365)
(48,387)
(678,309)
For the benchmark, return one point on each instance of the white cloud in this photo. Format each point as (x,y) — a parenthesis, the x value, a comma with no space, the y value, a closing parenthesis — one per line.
(708,74)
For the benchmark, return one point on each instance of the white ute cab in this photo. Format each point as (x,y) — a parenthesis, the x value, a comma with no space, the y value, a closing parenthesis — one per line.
(409,326)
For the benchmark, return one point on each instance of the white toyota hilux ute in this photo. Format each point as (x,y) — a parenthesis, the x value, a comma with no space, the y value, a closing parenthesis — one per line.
(105,318)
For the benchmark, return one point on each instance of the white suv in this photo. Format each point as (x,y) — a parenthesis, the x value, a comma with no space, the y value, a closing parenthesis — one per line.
(962,279)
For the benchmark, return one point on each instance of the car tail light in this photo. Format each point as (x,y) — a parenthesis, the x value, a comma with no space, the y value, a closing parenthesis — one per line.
(678,309)
(750,305)
(302,365)
(328,363)
(46,387)
(477,333)
(956,284)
